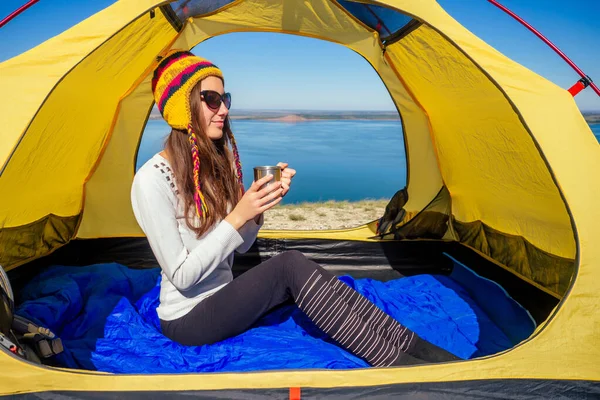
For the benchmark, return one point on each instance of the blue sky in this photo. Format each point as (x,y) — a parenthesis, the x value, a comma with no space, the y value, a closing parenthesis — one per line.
(271,71)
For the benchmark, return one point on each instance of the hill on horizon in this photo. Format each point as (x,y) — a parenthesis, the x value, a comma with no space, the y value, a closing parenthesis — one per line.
(592,117)
(303,115)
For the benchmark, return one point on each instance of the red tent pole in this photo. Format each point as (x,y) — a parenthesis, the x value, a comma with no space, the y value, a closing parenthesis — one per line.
(17,12)
(585,80)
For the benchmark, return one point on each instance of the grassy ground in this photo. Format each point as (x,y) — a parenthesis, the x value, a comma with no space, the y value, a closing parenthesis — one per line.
(325,215)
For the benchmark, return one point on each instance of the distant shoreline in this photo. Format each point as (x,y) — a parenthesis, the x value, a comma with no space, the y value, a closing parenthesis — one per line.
(294,118)
(592,118)
(316,116)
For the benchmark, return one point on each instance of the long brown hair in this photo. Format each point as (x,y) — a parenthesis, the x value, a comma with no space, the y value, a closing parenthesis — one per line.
(217,173)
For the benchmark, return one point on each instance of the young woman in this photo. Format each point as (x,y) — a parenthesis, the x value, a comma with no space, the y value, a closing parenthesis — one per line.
(190,202)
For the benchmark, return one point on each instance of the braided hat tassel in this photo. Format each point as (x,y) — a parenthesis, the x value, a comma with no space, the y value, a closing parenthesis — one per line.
(201,209)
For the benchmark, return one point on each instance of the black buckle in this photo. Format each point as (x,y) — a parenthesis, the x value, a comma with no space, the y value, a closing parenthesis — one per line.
(586,81)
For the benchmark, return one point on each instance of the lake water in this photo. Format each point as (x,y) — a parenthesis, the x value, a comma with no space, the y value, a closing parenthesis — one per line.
(335,160)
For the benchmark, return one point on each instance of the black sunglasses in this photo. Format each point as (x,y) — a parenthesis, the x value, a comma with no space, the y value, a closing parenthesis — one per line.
(214,99)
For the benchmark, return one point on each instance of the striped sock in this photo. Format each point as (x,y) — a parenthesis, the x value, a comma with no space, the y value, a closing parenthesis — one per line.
(381,322)
(387,327)
(330,312)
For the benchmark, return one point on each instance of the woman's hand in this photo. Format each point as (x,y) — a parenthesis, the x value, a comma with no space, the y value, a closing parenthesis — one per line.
(286,177)
(255,201)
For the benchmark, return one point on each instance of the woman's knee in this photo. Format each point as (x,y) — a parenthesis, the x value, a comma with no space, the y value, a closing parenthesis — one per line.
(290,257)
(294,257)
(297,263)
(284,263)
(291,263)
(296,267)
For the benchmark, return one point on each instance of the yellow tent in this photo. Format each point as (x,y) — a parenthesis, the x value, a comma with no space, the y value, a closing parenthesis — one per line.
(501,169)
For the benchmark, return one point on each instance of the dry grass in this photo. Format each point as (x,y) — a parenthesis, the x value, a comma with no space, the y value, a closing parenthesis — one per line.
(324,215)
(297,217)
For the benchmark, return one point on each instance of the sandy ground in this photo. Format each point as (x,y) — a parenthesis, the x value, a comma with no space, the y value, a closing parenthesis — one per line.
(327,215)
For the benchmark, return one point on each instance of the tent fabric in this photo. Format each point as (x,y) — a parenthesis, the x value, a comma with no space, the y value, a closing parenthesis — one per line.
(507,163)
(424,63)
(106,317)
(512,149)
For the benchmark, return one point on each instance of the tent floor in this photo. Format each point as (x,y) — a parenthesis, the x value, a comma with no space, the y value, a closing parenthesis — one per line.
(105,313)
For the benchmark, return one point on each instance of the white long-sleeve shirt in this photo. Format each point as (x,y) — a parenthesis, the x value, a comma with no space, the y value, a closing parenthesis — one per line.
(192,268)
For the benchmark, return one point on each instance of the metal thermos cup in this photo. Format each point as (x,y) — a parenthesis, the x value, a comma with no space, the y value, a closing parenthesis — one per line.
(263,171)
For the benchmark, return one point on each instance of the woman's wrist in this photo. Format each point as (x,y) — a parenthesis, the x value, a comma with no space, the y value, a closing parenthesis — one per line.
(235,220)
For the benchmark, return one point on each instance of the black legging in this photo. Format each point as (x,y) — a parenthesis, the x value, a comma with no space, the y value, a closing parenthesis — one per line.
(344,314)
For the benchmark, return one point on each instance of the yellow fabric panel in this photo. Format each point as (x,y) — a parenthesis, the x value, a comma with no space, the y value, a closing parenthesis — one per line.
(46,172)
(362,233)
(107,207)
(569,341)
(319,19)
(489,162)
(424,179)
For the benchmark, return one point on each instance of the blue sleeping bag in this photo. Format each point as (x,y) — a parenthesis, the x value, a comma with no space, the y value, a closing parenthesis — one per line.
(105,315)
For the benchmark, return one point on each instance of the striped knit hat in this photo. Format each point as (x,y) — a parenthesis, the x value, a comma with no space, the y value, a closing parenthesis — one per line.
(174,78)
